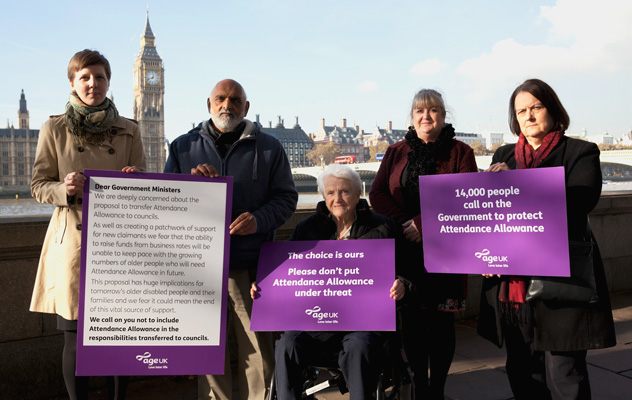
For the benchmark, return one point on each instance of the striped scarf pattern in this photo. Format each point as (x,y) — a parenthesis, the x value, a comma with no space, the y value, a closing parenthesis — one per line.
(88,124)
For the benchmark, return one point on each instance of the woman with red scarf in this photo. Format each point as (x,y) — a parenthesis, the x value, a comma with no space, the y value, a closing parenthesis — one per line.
(547,341)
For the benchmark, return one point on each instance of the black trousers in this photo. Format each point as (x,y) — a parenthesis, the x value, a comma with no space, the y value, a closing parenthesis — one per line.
(555,375)
(78,386)
(358,354)
(429,342)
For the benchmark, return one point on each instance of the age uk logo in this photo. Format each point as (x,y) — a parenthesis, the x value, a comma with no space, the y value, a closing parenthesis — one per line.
(322,317)
(492,261)
(152,363)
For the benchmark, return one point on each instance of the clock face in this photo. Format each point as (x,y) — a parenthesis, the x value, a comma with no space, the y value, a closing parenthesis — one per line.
(152,78)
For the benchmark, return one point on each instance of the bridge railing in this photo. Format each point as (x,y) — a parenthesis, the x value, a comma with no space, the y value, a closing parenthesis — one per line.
(30,345)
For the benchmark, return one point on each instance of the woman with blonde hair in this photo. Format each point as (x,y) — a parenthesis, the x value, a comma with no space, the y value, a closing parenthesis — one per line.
(428,314)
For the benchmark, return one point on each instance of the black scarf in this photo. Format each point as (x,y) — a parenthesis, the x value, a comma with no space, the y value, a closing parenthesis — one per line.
(422,160)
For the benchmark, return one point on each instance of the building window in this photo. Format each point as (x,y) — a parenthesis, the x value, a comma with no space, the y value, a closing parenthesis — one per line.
(20,149)
(5,169)
(152,130)
(152,150)
(20,169)
(5,150)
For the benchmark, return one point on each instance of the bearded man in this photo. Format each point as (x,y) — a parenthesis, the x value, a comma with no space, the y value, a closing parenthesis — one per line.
(264,197)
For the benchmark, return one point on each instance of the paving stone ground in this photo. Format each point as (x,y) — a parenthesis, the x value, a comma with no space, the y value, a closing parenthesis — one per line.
(477,372)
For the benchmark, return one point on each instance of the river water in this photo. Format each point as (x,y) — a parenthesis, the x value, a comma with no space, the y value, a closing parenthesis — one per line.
(28,206)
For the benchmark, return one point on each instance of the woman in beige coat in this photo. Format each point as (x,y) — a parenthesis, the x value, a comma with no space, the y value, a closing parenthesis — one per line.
(89,135)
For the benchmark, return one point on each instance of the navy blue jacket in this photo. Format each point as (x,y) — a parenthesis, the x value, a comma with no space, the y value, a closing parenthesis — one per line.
(262,182)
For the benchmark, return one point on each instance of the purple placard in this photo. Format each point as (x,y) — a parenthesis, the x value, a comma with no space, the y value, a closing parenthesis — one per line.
(152,255)
(351,281)
(510,222)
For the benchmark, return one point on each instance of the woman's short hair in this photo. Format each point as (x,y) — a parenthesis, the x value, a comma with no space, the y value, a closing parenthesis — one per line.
(547,96)
(86,58)
(339,171)
(427,98)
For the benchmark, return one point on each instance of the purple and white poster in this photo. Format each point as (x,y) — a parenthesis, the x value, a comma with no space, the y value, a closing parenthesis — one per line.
(154,262)
(327,285)
(509,223)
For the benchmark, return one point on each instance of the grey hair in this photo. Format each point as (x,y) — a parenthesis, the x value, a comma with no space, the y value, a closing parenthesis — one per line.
(427,98)
(339,171)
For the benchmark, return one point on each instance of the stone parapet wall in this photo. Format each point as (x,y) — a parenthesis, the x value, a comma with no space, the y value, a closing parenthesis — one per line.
(30,345)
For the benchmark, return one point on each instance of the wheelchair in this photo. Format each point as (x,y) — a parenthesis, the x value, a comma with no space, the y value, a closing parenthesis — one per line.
(395,381)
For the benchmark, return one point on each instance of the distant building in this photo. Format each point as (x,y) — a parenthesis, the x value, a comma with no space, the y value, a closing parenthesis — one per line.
(470,138)
(494,138)
(17,151)
(355,142)
(349,139)
(626,140)
(606,138)
(294,140)
(387,136)
(390,136)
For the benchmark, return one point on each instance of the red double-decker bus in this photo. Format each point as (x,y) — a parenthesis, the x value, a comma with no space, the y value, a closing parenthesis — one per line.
(345,160)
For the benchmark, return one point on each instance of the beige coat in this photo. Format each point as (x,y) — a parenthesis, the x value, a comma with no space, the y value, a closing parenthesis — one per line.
(58,154)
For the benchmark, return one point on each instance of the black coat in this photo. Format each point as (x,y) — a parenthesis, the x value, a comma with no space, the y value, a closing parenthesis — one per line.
(561,326)
(368,225)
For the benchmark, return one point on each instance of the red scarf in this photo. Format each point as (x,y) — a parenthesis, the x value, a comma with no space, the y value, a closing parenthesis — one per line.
(527,157)
(514,288)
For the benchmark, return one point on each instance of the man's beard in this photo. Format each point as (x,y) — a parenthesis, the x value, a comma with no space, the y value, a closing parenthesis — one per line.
(226,121)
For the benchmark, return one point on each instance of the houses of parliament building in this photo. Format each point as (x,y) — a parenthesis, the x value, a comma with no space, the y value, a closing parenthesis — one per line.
(18,145)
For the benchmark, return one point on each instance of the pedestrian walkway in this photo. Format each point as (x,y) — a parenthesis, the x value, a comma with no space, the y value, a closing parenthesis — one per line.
(477,372)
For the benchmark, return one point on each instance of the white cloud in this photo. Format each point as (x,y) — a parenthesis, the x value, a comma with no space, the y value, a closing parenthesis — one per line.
(509,59)
(584,37)
(428,67)
(587,21)
(367,86)
(601,31)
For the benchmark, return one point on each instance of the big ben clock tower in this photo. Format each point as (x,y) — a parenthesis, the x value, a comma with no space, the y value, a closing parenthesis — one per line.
(149,95)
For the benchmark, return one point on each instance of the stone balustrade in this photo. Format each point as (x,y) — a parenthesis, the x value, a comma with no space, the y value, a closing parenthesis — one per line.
(30,345)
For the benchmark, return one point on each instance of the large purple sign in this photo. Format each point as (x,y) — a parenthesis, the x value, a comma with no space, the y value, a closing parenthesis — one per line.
(327,285)
(154,267)
(509,223)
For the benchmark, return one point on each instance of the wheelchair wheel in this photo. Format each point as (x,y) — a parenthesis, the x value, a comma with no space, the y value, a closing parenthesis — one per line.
(380,395)
(396,386)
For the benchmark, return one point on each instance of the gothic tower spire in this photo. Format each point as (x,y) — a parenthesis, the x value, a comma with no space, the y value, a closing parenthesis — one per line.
(23,113)
(149,94)
(148,38)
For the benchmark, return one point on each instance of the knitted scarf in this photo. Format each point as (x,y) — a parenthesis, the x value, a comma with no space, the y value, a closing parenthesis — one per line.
(422,160)
(527,157)
(90,124)
(513,289)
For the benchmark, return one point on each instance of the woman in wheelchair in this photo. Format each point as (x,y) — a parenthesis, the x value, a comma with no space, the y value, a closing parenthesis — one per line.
(343,215)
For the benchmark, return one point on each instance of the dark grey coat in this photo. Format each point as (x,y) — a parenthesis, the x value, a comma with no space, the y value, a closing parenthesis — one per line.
(562,326)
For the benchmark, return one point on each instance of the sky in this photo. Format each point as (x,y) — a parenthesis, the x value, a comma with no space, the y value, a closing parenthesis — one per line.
(362,61)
